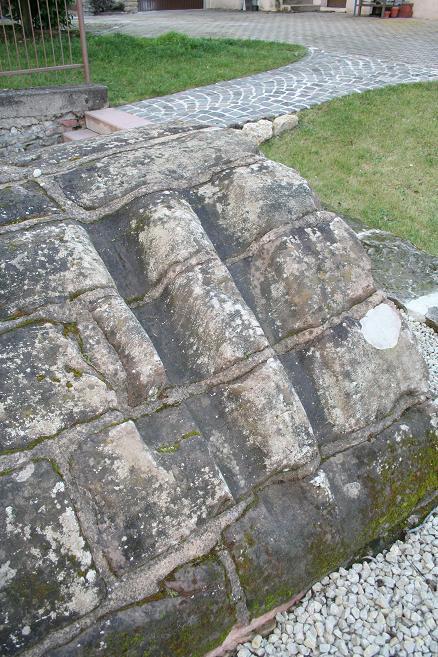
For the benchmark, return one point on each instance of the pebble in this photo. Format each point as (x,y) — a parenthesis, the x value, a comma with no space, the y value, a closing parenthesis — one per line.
(393,611)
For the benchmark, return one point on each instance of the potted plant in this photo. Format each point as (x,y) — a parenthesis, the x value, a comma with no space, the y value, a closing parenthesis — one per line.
(387,12)
(405,10)
(395,10)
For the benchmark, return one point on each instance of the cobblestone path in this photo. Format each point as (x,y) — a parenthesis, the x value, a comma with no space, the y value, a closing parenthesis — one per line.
(315,79)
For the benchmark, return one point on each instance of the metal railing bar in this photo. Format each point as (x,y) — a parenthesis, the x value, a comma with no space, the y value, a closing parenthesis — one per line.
(59,33)
(41,69)
(43,42)
(33,34)
(50,31)
(34,48)
(83,39)
(13,32)
(7,47)
(68,30)
(24,34)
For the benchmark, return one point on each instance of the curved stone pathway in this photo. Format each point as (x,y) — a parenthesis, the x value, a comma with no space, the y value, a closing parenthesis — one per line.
(317,78)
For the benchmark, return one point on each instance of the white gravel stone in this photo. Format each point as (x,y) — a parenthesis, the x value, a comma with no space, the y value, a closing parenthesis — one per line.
(393,611)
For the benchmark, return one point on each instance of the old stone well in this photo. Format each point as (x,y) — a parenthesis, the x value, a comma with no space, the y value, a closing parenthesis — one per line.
(206,403)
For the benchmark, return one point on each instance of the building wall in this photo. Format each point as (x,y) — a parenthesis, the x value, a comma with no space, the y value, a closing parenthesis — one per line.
(422,8)
(426,9)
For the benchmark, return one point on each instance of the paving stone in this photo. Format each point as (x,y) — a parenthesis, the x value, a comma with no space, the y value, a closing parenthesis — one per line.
(321,76)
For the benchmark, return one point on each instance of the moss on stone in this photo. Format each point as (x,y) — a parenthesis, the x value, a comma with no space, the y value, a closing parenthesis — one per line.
(394,497)
(174,447)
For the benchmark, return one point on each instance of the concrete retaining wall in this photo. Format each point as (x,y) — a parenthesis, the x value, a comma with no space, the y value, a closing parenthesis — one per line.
(32,118)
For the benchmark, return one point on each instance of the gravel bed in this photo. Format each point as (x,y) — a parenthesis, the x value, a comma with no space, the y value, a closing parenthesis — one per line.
(386,606)
(428,344)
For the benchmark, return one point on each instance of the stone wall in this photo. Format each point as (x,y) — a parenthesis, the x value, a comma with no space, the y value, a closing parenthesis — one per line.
(206,403)
(36,117)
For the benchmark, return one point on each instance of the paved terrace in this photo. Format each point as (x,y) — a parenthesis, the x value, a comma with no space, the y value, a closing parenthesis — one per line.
(347,55)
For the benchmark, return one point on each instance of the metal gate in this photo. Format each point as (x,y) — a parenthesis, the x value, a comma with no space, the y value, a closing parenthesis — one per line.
(154,5)
(36,36)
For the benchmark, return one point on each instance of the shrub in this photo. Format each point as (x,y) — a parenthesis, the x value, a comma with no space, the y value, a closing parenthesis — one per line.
(99,6)
(26,13)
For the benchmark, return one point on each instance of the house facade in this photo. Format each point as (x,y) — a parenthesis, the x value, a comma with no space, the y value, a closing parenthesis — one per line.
(422,8)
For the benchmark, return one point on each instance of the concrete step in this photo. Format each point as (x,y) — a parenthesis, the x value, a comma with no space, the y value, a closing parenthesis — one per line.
(106,121)
(78,135)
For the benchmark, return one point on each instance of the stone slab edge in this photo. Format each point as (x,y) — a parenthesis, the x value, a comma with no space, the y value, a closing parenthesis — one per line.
(46,102)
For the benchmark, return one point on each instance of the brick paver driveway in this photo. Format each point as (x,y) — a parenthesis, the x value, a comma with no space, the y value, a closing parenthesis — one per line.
(347,54)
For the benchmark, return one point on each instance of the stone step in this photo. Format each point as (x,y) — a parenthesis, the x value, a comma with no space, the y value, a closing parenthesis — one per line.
(301,6)
(106,121)
(78,135)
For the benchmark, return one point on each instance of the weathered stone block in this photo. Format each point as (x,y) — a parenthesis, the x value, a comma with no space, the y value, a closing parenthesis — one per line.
(170,234)
(193,158)
(284,123)
(151,485)
(301,279)
(258,132)
(302,530)
(145,376)
(256,427)
(20,202)
(201,325)
(360,370)
(46,385)
(243,204)
(47,576)
(192,614)
(46,265)
(221,337)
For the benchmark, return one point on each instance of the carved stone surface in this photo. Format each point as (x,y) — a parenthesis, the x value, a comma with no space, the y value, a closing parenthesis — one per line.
(205,403)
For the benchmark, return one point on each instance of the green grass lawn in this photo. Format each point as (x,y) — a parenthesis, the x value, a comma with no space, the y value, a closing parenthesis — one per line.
(374,157)
(134,68)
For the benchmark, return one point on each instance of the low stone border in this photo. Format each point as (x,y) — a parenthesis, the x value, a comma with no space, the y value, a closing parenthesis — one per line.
(260,131)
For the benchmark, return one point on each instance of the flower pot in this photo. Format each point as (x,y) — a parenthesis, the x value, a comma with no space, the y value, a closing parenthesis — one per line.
(405,11)
(394,12)
(387,13)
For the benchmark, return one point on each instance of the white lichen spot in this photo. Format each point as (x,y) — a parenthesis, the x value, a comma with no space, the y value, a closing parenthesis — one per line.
(25,473)
(25,631)
(381,326)
(68,539)
(59,487)
(321,482)
(352,489)
(7,574)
